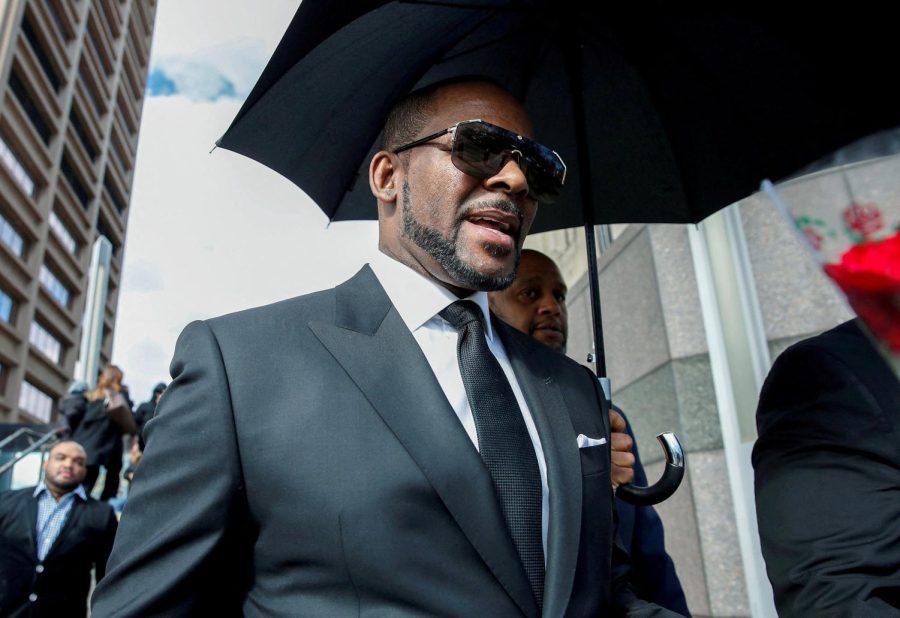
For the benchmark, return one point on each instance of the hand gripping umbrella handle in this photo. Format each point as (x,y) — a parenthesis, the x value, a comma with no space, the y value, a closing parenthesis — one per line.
(667,484)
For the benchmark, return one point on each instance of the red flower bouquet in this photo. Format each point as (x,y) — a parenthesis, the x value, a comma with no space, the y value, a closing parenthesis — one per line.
(869,274)
(849,219)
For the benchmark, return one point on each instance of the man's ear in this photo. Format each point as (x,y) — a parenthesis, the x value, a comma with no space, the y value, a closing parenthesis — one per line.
(383,176)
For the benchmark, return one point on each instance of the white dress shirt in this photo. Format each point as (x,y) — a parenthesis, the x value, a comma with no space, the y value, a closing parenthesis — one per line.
(419,301)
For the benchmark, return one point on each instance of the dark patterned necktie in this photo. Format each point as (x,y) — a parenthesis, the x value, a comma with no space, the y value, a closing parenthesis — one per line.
(503,440)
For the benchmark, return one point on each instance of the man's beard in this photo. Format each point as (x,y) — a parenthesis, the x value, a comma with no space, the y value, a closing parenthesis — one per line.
(444,250)
(66,486)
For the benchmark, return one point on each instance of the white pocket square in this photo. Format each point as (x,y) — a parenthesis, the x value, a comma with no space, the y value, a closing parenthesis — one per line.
(585,442)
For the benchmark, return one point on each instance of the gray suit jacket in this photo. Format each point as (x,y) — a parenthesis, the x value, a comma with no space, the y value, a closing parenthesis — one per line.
(304,461)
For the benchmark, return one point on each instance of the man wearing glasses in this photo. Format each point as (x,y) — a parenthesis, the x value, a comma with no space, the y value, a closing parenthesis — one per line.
(386,447)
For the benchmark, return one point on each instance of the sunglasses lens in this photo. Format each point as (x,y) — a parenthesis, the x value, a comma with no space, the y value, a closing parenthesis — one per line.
(481,150)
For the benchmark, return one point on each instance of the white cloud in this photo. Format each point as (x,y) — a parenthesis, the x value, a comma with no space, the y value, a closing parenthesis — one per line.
(223,71)
(142,276)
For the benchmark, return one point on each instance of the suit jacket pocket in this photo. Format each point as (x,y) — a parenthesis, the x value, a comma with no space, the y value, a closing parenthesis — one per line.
(594,459)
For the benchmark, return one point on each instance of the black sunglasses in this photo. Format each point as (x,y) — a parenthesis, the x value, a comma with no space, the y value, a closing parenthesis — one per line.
(481,149)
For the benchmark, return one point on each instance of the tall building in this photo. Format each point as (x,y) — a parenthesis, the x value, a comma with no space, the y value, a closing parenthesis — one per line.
(72,79)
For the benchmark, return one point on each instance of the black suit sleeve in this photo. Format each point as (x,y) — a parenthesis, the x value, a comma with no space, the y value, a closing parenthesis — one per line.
(827,490)
(172,553)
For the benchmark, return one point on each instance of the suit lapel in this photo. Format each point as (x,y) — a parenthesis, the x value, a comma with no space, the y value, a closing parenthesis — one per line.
(370,341)
(558,442)
(30,514)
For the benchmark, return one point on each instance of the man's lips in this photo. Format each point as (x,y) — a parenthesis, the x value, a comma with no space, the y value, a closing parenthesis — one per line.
(497,220)
(553,327)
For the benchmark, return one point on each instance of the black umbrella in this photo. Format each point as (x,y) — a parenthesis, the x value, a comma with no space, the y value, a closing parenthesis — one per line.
(661,116)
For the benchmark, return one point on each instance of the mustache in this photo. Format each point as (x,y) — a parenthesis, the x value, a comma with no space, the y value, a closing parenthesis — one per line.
(506,206)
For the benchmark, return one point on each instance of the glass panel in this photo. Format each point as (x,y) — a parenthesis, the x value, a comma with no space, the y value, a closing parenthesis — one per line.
(45,342)
(53,285)
(35,402)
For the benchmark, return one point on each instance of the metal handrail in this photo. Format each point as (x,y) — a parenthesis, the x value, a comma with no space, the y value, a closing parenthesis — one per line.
(20,432)
(54,433)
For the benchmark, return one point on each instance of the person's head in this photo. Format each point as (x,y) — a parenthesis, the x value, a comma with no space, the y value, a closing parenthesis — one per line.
(110,378)
(535,303)
(461,229)
(65,468)
(158,390)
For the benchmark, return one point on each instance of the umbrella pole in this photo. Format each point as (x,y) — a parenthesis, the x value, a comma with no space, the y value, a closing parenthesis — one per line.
(594,280)
(574,65)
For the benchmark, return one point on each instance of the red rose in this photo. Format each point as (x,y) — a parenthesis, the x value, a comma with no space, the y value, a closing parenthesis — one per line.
(869,274)
(864,219)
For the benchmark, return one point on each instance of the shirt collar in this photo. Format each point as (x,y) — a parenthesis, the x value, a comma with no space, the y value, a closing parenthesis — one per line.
(78,491)
(417,298)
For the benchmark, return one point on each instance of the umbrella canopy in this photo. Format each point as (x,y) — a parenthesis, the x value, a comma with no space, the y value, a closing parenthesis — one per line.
(661,117)
(683,114)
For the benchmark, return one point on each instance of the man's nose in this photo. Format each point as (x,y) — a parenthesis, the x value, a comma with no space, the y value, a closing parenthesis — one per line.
(549,305)
(510,179)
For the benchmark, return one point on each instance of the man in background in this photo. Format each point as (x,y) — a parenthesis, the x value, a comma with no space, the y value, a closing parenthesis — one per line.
(51,536)
(145,412)
(535,304)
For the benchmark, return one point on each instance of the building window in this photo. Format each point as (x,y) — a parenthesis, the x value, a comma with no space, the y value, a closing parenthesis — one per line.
(32,109)
(16,169)
(82,133)
(6,307)
(63,234)
(58,21)
(56,287)
(45,342)
(11,238)
(114,194)
(35,402)
(81,192)
(42,57)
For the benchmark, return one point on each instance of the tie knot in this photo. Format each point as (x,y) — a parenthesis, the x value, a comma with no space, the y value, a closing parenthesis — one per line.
(461,313)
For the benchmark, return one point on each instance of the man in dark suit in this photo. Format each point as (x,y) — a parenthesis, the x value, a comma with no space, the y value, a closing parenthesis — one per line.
(325,456)
(827,465)
(50,538)
(535,304)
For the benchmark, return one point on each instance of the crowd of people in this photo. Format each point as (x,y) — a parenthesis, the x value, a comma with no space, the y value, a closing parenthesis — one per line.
(415,442)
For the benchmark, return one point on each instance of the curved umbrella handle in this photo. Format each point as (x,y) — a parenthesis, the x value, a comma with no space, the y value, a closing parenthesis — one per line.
(667,484)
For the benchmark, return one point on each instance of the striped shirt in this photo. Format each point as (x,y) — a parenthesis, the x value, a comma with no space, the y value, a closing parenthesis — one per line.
(52,515)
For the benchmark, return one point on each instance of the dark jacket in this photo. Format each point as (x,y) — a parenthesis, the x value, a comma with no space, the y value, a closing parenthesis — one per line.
(827,465)
(99,436)
(61,582)
(144,413)
(641,530)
